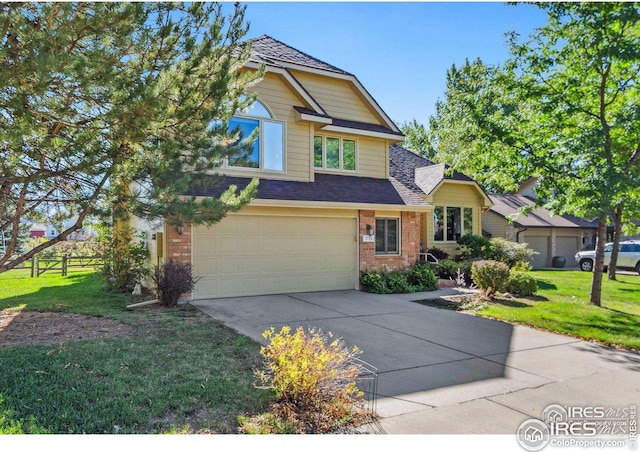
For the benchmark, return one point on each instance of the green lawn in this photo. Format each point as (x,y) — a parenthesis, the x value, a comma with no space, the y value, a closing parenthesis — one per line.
(178,371)
(562,305)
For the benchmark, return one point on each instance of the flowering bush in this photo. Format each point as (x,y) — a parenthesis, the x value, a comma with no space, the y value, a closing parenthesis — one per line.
(314,381)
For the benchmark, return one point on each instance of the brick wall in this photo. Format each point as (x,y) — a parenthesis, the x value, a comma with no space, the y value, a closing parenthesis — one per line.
(179,249)
(409,243)
(178,245)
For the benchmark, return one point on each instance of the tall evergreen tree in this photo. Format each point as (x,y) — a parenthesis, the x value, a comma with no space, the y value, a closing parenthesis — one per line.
(124,103)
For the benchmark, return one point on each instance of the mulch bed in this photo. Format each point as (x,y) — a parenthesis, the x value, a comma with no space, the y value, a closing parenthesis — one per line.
(47,328)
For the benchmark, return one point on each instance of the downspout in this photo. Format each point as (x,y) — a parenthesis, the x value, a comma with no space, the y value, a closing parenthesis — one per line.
(518,234)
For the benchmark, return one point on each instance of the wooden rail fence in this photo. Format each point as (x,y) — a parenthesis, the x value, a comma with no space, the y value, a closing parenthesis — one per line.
(63,264)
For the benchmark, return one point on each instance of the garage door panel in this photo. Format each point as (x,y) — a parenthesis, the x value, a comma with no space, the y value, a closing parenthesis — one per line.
(568,247)
(541,245)
(254,255)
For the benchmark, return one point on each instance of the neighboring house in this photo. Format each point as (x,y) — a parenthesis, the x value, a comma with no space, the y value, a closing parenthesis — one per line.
(50,231)
(330,175)
(549,235)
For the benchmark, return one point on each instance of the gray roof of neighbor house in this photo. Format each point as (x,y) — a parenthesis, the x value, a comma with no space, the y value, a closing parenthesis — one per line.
(265,49)
(509,206)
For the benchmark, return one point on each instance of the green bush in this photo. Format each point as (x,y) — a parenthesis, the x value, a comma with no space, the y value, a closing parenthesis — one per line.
(522,266)
(417,279)
(511,253)
(314,381)
(448,269)
(374,282)
(490,276)
(423,277)
(473,247)
(125,261)
(521,283)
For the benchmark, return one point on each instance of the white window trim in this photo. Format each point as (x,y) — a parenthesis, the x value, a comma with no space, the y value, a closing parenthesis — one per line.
(261,120)
(463,232)
(341,154)
(399,253)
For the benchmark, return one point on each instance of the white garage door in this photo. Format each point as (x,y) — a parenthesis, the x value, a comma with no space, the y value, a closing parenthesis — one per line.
(541,245)
(256,255)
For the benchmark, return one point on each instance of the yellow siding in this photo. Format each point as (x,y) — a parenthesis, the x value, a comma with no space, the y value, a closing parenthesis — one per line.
(339,98)
(275,93)
(452,194)
(372,158)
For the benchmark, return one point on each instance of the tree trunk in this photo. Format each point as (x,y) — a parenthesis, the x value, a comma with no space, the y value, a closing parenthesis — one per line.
(617,231)
(596,282)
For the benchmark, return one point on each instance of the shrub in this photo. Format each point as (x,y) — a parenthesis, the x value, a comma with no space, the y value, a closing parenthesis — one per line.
(448,269)
(490,276)
(419,278)
(473,247)
(374,282)
(422,277)
(521,283)
(522,266)
(438,253)
(398,282)
(125,261)
(314,381)
(172,279)
(509,252)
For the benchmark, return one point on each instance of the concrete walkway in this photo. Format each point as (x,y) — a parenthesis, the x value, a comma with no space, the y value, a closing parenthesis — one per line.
(447,372)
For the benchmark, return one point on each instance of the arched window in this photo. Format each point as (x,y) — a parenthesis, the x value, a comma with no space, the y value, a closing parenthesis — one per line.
(268,147)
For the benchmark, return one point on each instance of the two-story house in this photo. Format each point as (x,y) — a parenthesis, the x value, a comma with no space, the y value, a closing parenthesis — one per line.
(337,196)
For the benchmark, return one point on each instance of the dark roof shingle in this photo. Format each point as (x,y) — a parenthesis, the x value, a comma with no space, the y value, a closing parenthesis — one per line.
(325,188)
(266,49)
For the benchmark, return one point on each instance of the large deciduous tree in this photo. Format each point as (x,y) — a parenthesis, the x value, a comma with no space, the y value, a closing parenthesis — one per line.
(566,109)
(124,103)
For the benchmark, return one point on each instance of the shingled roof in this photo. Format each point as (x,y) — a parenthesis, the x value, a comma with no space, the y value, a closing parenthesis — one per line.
(509,206)
(415,176)
(325,188)
(268,50)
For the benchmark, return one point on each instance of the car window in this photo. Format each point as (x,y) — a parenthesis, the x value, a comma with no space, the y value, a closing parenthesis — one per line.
(626,248)
(608,248)
(635,247)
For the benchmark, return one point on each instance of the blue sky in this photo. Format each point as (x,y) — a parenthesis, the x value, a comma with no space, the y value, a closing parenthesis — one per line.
(399,51)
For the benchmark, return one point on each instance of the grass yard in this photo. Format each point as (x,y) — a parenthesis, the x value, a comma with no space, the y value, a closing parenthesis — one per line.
(562,305)
(176,370)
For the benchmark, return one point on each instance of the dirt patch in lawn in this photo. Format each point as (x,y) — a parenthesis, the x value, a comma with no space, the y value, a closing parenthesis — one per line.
(46,328)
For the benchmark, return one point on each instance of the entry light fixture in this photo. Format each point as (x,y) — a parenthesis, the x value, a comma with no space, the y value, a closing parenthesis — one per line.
(370,229)
(180,228)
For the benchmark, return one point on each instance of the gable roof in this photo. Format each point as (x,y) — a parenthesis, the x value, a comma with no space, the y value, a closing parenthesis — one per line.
(280,57)
(416,177)
(509,206)
(268,50)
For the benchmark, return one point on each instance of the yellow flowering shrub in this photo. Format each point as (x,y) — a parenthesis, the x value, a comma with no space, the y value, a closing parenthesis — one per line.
(314,380)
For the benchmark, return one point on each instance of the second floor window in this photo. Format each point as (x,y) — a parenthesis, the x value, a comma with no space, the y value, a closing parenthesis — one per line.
(334,153)
(268,148)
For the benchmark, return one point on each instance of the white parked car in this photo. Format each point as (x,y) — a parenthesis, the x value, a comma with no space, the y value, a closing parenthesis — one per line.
(628,256)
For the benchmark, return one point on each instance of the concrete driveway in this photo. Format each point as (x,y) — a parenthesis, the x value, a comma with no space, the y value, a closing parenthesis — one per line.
(447,372)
